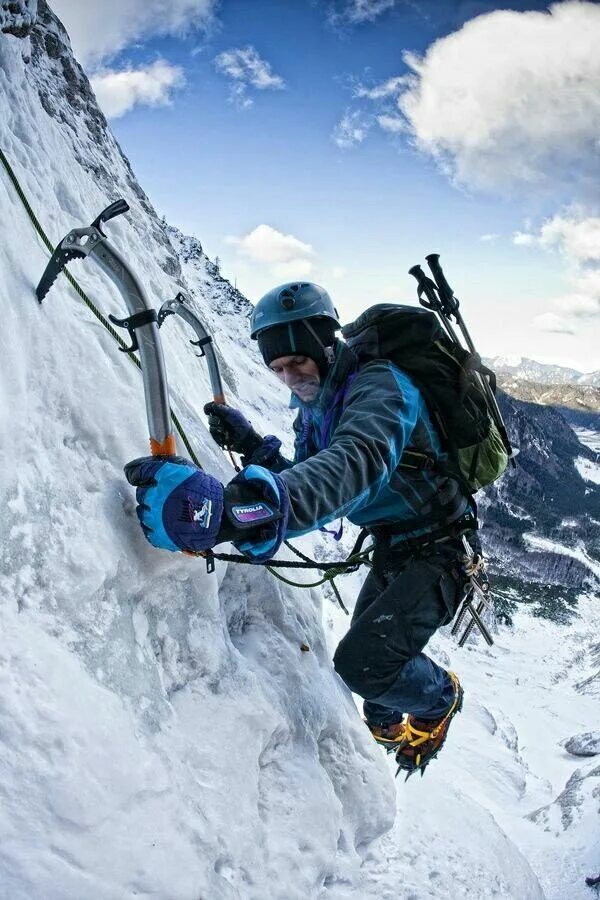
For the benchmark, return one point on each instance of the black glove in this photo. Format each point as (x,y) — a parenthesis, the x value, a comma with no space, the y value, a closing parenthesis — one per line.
(231,429)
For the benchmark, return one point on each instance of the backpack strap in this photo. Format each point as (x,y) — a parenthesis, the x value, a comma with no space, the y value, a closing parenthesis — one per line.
(420,462)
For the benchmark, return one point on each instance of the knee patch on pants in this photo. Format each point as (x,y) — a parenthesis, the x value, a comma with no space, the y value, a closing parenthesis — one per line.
(360,673)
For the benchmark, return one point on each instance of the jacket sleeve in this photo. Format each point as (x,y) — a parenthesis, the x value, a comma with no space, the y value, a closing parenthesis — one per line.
(381,410)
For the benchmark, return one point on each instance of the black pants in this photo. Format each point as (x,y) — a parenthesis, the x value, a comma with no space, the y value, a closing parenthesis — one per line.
(398,609)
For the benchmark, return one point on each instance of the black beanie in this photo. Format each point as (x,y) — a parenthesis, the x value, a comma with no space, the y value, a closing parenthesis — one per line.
(296,339)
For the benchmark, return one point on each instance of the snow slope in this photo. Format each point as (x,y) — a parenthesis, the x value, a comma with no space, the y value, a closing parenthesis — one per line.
(162,734)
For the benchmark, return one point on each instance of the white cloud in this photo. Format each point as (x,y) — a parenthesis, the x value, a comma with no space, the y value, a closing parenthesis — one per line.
(119,91)
(488,238)
(574,234)
(554,323)
(355,12)
(284,254)
(391,124)
(577,238)
(511,98)
(338,271)
(246,68)
(351,130)
(99,30)
(581,306)
(523,239)
(382,91)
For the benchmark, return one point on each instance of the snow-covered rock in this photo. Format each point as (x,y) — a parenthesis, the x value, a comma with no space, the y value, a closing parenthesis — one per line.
(587,744)
(17,16)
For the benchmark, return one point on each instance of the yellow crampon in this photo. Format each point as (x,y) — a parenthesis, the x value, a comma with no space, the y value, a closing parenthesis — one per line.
(418,737)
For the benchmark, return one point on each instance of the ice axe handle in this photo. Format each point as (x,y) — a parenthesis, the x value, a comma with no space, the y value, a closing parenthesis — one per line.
(115,209)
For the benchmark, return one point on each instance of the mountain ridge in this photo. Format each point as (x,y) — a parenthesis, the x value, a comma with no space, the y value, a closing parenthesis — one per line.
(540,373)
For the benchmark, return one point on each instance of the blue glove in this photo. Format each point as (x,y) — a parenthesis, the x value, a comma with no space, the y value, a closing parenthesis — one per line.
(179,506)
(231,429)
(257,506)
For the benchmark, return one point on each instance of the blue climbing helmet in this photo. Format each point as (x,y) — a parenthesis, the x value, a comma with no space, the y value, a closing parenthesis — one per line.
(291,302)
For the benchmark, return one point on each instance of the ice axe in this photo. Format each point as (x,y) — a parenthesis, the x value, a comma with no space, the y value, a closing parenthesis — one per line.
(180,306)
(141,321)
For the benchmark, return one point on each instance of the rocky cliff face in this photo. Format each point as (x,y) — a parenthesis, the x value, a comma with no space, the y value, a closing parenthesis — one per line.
(17,17)
(543,494)
(578,397)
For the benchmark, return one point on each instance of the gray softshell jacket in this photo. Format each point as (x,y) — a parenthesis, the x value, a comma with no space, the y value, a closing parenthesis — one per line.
(349,443)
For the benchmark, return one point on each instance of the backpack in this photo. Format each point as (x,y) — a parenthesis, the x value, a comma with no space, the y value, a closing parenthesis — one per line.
(450,380)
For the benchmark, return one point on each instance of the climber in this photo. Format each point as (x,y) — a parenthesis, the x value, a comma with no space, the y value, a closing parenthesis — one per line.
(353,424)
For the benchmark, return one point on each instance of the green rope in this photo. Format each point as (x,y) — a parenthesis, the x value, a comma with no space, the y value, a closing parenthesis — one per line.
(333,569)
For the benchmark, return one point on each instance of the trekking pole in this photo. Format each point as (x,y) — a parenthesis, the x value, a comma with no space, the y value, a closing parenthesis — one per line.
(428,297)
(450,305)
(141,323)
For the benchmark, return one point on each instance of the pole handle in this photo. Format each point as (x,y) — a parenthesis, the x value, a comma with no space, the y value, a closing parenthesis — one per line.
(433,261)
(426,288)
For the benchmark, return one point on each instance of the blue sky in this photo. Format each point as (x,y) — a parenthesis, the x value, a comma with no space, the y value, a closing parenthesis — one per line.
(333,166)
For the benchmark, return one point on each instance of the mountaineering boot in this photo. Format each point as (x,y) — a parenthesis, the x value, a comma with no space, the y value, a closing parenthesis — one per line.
(389,736)
(423,739)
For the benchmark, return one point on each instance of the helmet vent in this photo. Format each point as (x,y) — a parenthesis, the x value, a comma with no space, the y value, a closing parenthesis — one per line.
(287,298)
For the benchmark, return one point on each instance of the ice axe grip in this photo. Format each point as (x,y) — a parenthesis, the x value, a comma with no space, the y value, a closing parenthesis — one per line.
(114,209)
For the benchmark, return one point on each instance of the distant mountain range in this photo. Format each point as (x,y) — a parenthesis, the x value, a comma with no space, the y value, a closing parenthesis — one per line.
(540,373)
(578,403)
(544,494)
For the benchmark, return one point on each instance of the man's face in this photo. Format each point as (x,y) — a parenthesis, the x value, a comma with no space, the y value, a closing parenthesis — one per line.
(300,374)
